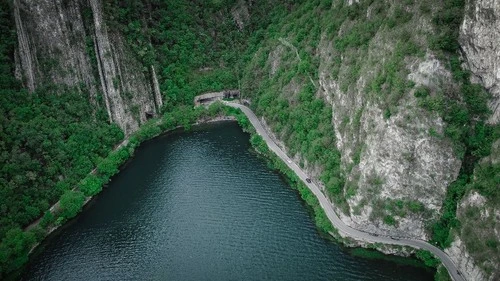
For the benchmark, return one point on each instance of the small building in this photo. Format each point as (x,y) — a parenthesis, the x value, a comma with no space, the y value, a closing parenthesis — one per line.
(209,98)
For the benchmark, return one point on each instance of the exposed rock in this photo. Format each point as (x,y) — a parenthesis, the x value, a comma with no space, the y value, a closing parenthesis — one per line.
(464,261)
(240,14)
(59,45)
(480,42)
(127,92)
(52,43)
(275,59)
(156,87)
(479,224)
(430,73)
(398,158)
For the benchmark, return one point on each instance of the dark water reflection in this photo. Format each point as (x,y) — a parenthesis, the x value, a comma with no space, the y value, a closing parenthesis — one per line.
(201,206)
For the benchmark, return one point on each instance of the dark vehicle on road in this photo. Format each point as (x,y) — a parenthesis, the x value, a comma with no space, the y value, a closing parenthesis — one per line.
(308,180)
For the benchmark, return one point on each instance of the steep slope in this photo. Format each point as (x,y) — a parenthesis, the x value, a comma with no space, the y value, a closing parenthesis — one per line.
(480,39)
(69,43)
(49,140)
(366,68)
(476,246)
(373,98)
(370,97)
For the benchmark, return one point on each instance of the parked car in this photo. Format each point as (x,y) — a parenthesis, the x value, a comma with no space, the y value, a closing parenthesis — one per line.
(308,180)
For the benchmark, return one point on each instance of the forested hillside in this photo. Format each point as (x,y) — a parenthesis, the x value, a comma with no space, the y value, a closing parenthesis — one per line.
(49,141)
(53,137)
(372,97)
(383,83)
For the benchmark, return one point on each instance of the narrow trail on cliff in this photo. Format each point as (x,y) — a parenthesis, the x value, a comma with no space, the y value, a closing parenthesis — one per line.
(344,230)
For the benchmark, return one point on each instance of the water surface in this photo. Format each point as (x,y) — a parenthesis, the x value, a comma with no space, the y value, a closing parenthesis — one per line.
(201,206)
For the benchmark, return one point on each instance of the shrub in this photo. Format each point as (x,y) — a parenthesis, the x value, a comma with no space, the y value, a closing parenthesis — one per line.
(70,204)
(91,185)
(427,257)
(47,219)
(390,220)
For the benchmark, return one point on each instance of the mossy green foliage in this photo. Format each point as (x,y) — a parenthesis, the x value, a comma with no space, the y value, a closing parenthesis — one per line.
(70,204)
(91,185)
(389,209)
(289,100)
(390,220)
(14,249)
(428,258)
(50,140)
(442,274)
(71,201)
(478,231)
(487,181)
(47,219)
(195,45)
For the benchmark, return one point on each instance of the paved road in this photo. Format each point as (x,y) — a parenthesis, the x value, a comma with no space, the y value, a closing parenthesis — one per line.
(327,206)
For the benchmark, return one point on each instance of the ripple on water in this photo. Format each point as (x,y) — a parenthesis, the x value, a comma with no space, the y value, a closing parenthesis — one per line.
(201,206)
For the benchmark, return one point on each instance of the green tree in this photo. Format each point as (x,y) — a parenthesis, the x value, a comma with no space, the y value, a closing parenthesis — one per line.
(71,203)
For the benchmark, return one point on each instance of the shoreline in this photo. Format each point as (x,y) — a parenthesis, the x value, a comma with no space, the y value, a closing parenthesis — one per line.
(343,230)
(54,208)
(179,129)
(226,116)
(201,121)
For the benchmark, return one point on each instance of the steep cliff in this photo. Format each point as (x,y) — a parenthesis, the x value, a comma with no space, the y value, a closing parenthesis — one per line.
(405,122)
(475,247)
(480,42)
(69,43)
(367,68)
(371,97)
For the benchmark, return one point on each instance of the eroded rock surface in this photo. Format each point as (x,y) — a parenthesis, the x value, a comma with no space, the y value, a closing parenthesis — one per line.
(480,42)
(68,43)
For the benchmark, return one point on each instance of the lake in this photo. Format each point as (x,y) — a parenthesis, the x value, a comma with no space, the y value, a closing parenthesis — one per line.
(201,205)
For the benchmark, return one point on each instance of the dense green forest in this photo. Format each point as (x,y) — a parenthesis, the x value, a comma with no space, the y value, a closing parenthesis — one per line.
(50,140)
(53,138)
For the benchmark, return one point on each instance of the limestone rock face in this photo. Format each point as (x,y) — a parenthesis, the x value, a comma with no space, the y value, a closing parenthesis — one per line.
(464,261)
(395,160)
(480,42)
(392,159)
(52,43)
(479,223)
(69,43)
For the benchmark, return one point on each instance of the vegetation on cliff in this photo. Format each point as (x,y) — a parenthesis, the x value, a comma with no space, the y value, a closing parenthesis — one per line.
(278,53)
(49,141)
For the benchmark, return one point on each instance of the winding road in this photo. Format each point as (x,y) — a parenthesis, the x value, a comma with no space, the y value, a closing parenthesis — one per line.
(328,207)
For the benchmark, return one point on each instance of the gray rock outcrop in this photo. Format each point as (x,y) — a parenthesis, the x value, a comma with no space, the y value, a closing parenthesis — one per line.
(69,43)
(480,42)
